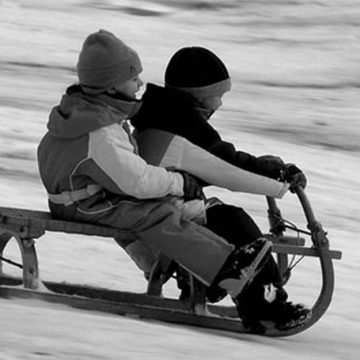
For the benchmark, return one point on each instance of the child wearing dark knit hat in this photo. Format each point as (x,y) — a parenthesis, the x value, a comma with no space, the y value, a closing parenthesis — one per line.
(195,81)
(198,72)
(201,74)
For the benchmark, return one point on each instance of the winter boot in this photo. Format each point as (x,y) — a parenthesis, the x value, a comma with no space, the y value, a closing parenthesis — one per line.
(243,265)
(257,305)
(289,315)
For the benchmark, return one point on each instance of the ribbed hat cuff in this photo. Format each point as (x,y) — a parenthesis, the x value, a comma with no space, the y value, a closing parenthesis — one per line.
(202,92)
(105,78)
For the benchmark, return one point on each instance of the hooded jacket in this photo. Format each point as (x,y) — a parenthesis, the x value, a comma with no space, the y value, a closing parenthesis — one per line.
(88,142)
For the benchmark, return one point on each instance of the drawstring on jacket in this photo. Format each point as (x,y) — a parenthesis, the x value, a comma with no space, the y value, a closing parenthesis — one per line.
(67,198)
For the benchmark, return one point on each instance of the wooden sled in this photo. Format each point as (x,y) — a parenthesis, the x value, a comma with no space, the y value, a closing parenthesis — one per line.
(27,225)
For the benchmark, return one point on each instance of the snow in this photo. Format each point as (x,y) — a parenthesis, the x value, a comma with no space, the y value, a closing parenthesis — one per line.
(295,73)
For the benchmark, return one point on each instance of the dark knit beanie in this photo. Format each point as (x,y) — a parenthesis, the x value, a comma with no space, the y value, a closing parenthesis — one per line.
(197,71)
(105,61)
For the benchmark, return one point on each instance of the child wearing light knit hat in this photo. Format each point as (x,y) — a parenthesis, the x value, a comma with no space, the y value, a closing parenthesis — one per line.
(107,64)
(92,171)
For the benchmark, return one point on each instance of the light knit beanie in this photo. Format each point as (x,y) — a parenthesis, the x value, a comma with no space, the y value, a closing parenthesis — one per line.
(197,71)
(105,61)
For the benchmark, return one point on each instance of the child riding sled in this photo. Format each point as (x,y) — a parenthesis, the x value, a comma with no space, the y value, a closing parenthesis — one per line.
(174,122)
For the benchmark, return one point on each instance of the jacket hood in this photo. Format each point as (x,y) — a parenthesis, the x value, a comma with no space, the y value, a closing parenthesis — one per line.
(78,113)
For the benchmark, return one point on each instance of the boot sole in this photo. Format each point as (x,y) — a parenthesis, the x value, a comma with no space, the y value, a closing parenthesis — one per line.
(235,286)
(295,323)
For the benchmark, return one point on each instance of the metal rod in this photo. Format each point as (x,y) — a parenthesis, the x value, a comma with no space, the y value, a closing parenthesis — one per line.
(11,262)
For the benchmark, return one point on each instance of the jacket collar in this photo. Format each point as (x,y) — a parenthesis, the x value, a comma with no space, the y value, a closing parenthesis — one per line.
(80,113)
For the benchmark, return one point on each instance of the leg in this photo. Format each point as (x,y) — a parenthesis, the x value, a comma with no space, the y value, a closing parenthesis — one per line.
(233,224)
(239,229)
(157,227)
(264,298)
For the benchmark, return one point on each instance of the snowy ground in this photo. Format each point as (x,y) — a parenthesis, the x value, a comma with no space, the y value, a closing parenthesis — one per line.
(296,77)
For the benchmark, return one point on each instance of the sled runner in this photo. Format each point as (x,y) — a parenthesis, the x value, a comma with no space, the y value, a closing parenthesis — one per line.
(27,225)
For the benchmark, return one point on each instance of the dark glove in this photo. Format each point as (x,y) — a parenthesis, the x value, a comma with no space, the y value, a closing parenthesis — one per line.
(192,187)
(269,165)
(294,176)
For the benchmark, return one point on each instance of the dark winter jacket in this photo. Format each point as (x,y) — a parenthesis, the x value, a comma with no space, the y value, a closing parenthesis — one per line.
(172,132)
(175,112)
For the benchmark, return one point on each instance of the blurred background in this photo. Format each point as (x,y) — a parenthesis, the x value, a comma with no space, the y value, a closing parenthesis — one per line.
(295,93)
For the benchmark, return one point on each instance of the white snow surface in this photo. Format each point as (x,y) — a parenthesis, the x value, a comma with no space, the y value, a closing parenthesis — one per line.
(295,73)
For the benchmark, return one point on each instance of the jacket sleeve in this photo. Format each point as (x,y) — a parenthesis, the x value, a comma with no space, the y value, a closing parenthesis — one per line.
(243,160)
(120,170)
(168,150)
(209,139)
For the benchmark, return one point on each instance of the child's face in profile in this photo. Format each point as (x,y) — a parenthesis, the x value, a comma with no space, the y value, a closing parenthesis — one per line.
(129,88)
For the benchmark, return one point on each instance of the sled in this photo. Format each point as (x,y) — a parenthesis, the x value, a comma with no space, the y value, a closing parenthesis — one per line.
(27,225)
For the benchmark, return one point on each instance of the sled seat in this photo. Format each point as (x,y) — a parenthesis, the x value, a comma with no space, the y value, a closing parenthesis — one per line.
(33,224)
(26,225)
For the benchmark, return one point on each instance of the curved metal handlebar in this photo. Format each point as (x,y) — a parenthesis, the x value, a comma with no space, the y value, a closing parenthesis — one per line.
(320,244)
(310,217)
(318,237)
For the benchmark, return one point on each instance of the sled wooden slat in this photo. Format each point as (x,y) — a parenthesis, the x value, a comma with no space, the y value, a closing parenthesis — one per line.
(33,224)
(295,250)
(286,240)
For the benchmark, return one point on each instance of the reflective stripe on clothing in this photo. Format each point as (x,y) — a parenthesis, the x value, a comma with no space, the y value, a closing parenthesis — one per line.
(67,198)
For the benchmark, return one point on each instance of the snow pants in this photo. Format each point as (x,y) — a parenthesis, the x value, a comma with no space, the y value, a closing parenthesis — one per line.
(238,228)
(157,226)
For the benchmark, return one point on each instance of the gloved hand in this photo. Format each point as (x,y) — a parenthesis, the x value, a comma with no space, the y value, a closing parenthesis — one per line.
(270,159)
(293,175)
(270,165)
(192,187)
